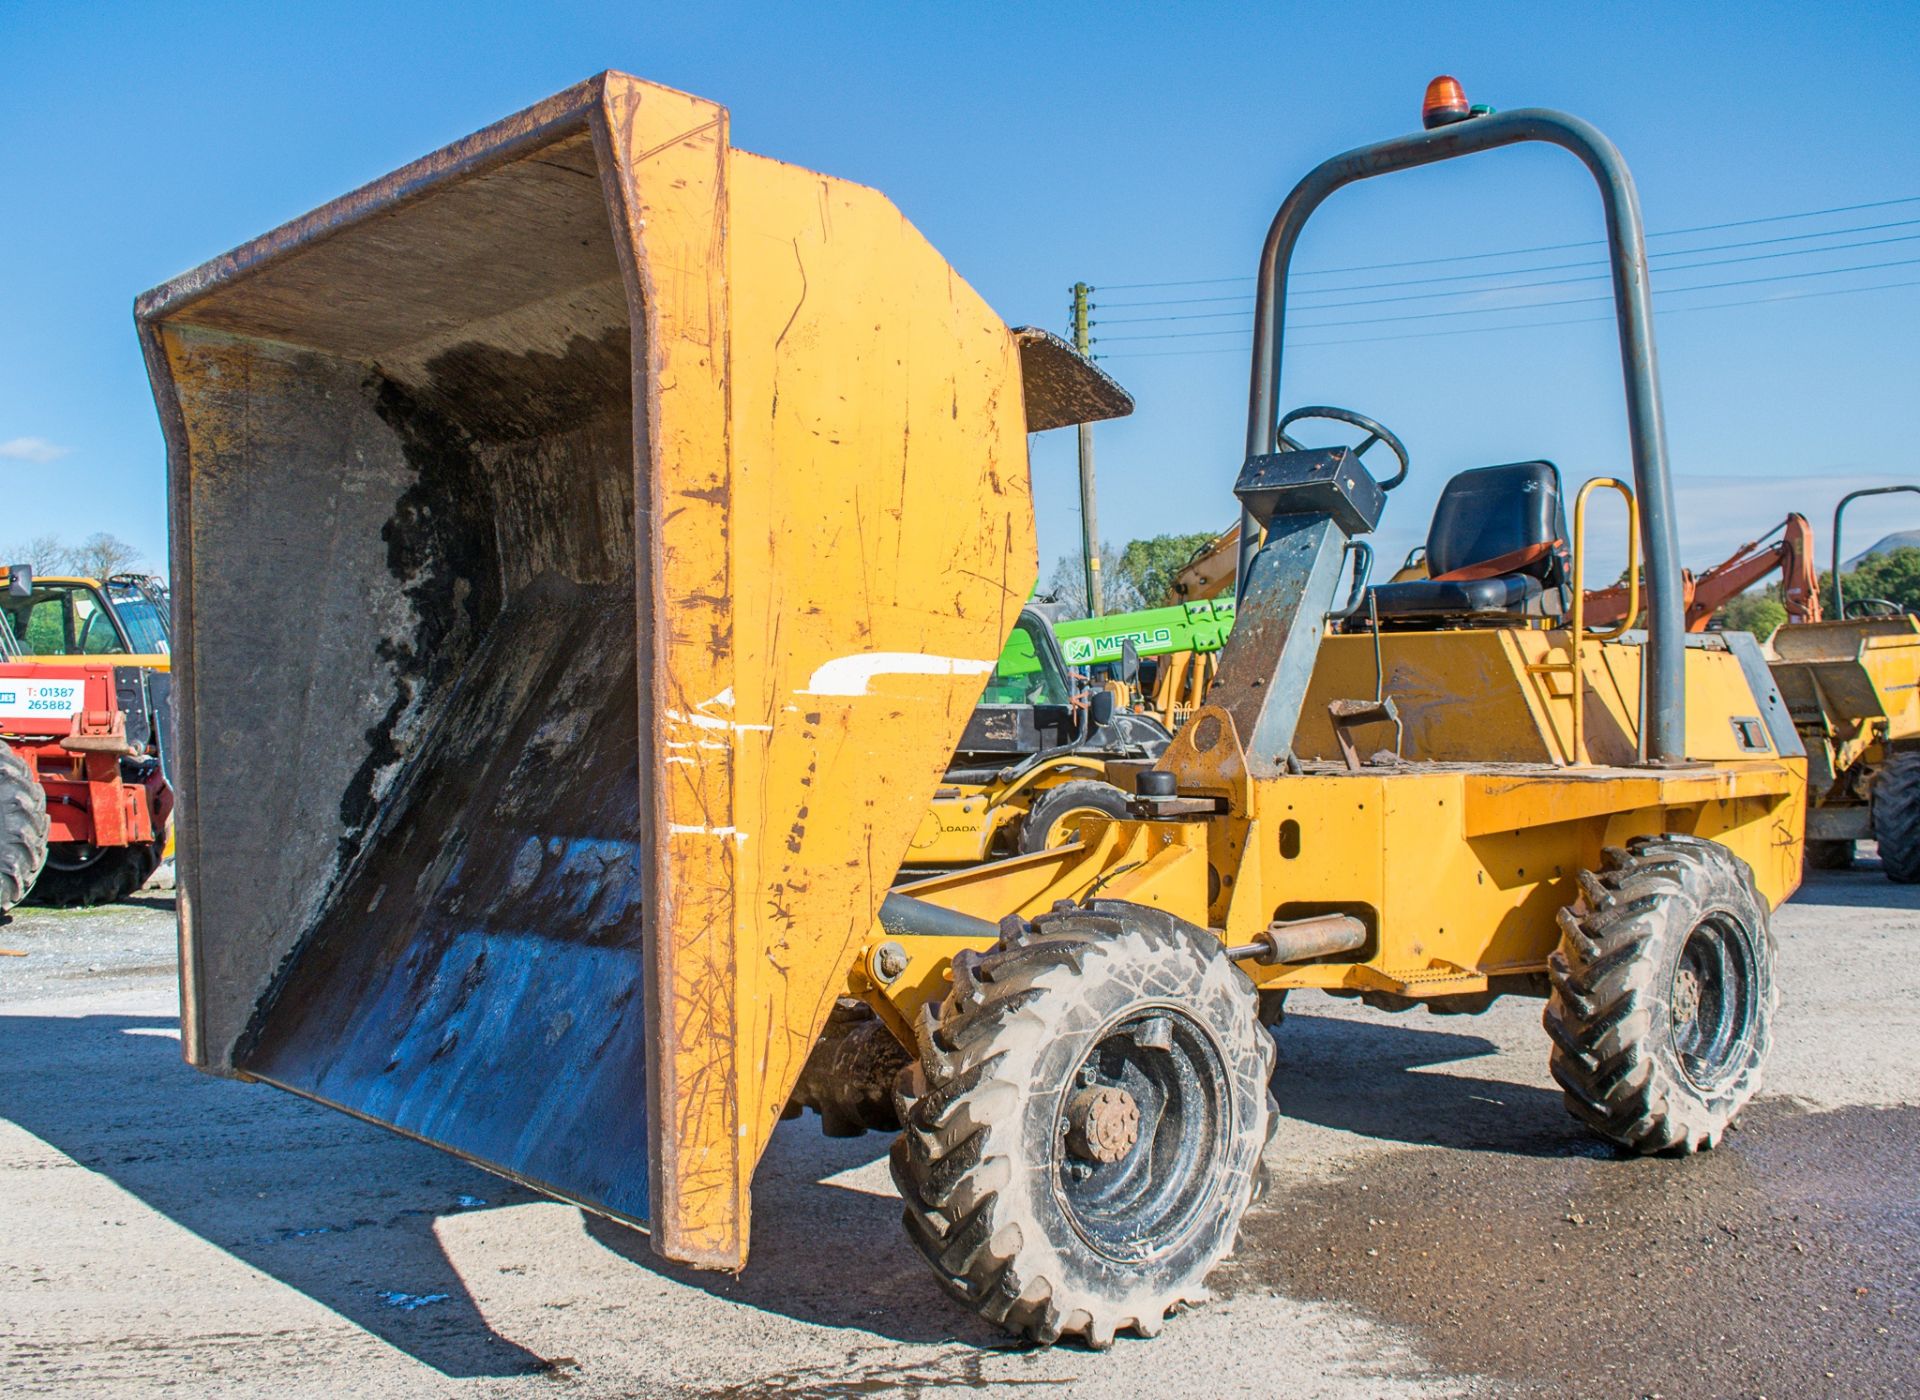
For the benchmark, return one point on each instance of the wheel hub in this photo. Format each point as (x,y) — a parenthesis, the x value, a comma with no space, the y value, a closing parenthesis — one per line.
(1103,1124)
(1686,997)
(1714,1000)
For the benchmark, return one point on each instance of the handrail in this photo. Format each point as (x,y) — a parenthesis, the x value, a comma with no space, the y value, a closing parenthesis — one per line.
(1578,637)
(1839,597)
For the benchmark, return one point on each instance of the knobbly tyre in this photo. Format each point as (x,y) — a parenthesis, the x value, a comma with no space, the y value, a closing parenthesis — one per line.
(614,455)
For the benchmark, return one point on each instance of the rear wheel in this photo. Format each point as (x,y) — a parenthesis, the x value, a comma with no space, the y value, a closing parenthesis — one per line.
(1057,815)
(79,876)
(1085,1121)
(23,828)
(1661,1013)
(1896,817)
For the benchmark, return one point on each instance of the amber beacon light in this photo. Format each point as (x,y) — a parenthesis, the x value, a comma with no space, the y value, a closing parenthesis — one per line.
(1446,102)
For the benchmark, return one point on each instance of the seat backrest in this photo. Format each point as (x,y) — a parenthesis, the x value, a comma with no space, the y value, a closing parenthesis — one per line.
(1491,512)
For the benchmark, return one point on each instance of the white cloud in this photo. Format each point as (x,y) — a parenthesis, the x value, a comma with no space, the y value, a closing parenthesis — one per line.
(32,449)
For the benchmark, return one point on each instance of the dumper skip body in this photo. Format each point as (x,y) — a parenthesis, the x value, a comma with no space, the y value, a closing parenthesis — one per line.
(649,497)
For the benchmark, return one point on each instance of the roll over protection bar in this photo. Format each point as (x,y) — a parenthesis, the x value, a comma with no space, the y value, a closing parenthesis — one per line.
(1839,597)
(1663,728)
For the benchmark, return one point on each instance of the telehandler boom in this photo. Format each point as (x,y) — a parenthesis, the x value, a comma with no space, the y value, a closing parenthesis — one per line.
(567,813)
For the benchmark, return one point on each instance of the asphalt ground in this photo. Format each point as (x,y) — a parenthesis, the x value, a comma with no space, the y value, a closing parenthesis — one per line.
(1437,1225)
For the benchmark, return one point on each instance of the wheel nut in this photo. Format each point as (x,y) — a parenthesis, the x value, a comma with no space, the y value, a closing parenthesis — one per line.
(1103,1124)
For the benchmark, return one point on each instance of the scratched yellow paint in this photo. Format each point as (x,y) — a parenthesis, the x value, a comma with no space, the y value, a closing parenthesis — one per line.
(842,536)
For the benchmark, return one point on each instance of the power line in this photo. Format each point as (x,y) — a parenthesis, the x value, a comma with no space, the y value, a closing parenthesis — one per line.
(1524,286)
(1537,248)
(1564,301)
(1549,267)
(1523,326)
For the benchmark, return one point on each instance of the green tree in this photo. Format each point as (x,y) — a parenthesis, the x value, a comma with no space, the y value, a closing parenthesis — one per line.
(1150,565)
(1893,576)
(1138,576)
(1753,612)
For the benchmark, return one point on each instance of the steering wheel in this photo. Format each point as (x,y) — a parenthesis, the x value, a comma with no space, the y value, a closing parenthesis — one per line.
(1375,433)
(1874,607)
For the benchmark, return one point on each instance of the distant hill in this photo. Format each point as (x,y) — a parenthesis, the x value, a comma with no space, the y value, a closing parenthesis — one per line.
(1887,545)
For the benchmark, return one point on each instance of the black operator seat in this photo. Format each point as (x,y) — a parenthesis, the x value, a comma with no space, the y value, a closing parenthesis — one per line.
(1497,550)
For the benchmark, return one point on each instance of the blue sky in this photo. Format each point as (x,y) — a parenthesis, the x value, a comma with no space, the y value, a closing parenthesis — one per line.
(1037,145)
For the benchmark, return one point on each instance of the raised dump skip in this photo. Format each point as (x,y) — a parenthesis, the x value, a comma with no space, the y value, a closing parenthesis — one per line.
(588,545)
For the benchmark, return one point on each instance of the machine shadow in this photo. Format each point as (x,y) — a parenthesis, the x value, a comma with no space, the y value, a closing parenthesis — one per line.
(339,1210)
(1865,886)
(1371,1076)
(825,1251)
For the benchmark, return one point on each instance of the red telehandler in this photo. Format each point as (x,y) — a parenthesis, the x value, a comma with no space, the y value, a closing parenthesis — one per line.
(83,803)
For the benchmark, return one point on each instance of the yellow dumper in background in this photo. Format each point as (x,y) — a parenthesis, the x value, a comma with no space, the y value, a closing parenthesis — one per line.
(1852,683)
(657,512)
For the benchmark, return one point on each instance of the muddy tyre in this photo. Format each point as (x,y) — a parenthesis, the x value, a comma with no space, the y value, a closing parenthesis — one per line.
(1054,818)
(23,828)
(1829,855)
(1661,1013)
(102,876)
(1896,817)
(1084,1122)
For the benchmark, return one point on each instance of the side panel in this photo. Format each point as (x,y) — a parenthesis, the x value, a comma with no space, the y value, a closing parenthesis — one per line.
(838,525)
(884,548)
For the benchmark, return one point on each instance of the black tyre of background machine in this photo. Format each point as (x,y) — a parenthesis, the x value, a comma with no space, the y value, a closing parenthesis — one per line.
(23,828)
(1896,817)
(1081,795)
(110,876)
(1829,855)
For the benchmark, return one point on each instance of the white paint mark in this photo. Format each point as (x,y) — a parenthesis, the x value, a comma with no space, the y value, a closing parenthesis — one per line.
(725,831)
(710,722)
(850,675)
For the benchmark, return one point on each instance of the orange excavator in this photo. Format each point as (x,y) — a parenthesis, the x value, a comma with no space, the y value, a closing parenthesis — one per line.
(1791,555)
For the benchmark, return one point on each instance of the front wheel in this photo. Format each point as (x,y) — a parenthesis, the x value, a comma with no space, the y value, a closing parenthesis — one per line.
(1084,1124)
(1661,1013)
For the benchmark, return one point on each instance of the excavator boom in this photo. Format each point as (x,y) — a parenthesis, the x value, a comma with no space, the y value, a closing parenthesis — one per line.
(1791,556)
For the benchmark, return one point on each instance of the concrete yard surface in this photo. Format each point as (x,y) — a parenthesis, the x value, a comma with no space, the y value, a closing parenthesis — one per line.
(1437,1224)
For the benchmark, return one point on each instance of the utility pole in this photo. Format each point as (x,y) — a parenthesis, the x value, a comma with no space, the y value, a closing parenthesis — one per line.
(1089,521)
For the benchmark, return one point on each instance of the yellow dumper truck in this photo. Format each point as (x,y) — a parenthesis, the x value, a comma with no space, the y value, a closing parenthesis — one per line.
(1852,684)
(656,512)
